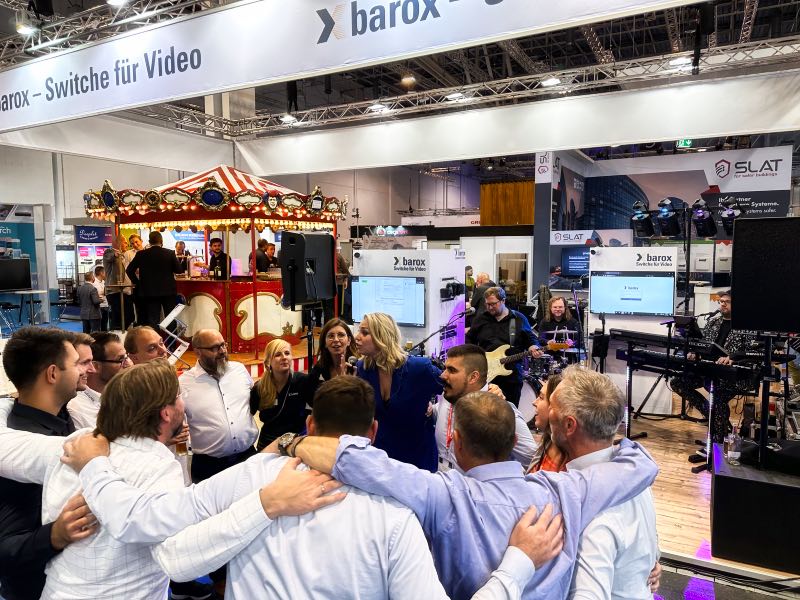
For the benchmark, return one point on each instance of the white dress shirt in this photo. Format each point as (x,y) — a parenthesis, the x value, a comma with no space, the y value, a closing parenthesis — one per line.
(83,408)
(618,549)
(363,547)
(100,286)
(101,566)
(523,450)
(218,412)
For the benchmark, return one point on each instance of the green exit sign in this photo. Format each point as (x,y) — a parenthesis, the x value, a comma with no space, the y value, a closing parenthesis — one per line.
(684,143)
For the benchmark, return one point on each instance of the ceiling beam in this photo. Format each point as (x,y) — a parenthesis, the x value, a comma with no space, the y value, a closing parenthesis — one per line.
(601,54)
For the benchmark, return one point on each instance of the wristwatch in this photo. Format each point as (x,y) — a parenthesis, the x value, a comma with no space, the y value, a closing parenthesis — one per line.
(284,442)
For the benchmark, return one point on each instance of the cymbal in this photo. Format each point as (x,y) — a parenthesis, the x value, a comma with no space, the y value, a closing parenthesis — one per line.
(559,331)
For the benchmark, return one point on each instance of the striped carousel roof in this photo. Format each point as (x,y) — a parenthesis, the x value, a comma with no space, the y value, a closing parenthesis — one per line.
(232,179)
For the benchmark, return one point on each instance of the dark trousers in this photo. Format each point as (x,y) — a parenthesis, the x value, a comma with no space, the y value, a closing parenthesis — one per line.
(152,307)
(104,318)
(511,385)
(686,387)
(120,305)
(204,467)
(90,325)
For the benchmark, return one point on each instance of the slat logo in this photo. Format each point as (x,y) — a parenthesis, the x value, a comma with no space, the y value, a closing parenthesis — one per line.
(364,20)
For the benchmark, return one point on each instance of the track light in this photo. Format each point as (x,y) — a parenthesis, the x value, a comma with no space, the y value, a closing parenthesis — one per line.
(23,24)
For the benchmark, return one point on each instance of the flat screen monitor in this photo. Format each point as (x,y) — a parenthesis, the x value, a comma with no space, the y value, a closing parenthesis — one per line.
(15,274)
(403,298)
(632,293)
(575,262)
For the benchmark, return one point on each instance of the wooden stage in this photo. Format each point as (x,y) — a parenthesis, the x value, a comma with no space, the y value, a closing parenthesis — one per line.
(682,498)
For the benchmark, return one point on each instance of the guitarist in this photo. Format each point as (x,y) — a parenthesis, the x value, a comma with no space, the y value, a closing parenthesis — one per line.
(499,326)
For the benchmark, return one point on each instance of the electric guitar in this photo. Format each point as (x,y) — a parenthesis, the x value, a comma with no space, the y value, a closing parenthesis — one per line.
(497,359)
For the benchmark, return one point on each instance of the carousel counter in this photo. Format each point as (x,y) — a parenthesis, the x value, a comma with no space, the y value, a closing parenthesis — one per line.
(229,307)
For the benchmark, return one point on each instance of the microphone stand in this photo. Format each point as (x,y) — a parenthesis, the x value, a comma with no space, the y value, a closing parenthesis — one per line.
(580,321)
(421,345)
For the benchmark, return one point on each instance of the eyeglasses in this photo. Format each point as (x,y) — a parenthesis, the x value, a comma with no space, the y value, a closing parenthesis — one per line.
(117,361)
(493,303)
(214,348)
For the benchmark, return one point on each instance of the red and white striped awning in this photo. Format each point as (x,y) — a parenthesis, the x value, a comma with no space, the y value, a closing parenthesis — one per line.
(233,180)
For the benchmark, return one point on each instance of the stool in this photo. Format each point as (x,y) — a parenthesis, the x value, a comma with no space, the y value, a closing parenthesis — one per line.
(61,307)
(7,316)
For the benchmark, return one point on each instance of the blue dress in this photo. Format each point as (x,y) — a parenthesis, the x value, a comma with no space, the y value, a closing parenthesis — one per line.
(404,432)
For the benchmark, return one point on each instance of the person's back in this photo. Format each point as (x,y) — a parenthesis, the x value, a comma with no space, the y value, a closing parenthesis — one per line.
(89,301)
(101,566)
(618,548)
(347,550)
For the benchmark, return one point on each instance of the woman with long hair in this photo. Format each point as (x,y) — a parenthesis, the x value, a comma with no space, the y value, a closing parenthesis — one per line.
(336,345)
(278,396)
(548,456)
(404,386)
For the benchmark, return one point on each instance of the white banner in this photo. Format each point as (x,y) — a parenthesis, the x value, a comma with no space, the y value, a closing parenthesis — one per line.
(444,220)
(266,41)
(657,258)
(591,237)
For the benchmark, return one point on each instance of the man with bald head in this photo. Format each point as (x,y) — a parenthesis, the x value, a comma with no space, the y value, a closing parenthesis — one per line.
(216,392)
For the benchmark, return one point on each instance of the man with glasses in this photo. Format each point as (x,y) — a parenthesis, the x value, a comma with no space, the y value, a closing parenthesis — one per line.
(500,326)
(109,358)
(217,396)
(718,330)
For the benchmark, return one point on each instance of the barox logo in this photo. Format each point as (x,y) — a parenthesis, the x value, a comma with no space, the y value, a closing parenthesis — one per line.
(653,260)
(409,262)
(365,20)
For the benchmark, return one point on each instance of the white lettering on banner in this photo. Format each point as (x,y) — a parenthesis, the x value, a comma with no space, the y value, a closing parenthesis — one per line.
(181,58)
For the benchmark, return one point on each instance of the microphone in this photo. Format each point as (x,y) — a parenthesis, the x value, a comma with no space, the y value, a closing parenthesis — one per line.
(469,311)
(351,364)
(708,314)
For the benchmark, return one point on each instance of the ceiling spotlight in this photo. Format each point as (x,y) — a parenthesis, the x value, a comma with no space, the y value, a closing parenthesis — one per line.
(408,80)
(23,24)
(550,82)
(641,222)
(378,107)
(681,60)
(288,119)
(116,3)
(455,96)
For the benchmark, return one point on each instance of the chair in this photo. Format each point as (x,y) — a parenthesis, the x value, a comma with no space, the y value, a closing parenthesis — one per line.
(7,320)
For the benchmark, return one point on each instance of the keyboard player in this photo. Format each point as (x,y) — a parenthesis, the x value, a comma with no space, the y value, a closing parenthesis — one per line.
(717,330)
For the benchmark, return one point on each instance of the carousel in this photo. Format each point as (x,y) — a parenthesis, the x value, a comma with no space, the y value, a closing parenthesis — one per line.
(238,208)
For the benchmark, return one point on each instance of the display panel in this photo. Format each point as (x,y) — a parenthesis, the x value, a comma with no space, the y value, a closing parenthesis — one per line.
(632,293)
(15,274)
(574,262)
(401,297)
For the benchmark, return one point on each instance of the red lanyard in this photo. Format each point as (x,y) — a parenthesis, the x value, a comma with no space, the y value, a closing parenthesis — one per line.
(449,435)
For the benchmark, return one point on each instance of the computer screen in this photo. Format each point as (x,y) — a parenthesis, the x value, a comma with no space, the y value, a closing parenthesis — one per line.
(575,262)
(15,274)
(401,297)
(632,293)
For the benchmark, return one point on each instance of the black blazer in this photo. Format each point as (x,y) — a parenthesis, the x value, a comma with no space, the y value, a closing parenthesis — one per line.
(157,267)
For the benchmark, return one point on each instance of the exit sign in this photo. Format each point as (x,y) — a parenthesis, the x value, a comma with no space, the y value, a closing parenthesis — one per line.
(684,143)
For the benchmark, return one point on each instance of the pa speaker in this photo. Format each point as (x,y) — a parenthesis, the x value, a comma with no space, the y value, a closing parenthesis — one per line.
(306,261)
(766,268)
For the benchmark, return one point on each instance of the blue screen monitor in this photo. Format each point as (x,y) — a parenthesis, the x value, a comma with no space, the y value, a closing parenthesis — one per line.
(403,298)
(632,293)
(575,262)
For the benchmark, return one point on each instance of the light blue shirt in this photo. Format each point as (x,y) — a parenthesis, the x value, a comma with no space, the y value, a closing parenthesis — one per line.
(468,518)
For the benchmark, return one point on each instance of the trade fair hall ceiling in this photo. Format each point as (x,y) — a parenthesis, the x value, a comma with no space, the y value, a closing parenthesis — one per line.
(736,37)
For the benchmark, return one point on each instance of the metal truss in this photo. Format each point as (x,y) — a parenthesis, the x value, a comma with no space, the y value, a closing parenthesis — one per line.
(602,55)
(532,67)
(91,25)
(749,16)
(720,60)
(673,29)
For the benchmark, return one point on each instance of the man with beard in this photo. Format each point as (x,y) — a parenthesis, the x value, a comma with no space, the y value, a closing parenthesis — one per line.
(45,367)
(217,397)
(465,372)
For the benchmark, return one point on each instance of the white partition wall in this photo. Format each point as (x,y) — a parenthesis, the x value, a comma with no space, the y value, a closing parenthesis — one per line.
(437,268)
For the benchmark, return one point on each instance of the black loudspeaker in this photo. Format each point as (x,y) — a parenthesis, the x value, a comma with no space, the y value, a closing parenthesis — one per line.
(306,261)
(707,20)
(766,266)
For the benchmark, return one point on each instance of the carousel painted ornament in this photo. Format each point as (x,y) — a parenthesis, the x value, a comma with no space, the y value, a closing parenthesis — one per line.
(109,196)
(211,196)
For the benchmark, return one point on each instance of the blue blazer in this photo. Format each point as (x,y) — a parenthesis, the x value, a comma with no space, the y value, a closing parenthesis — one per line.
(404,431)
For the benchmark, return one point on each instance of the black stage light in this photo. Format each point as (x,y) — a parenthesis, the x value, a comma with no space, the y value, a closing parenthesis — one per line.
(730,212)
(668,220)
(703,220)
(641,222)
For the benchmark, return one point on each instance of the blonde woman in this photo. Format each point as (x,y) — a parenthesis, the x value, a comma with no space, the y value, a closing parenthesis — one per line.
(404,385)
(548,456)
(279,396)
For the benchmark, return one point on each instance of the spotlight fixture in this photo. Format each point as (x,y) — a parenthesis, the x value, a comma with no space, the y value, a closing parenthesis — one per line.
(681,60)
(455,97)
(116,3)
(703,220)
(730,212)
(668,220)
(550,82)
(379,107)
(23,24)
(288,119)
(408,80)
(641,222)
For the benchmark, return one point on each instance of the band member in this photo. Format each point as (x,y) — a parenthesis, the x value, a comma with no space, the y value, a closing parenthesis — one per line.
(499,326)
(717,330)
(557,318)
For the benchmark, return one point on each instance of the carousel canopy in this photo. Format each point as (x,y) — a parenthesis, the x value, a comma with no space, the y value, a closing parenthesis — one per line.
(224,193)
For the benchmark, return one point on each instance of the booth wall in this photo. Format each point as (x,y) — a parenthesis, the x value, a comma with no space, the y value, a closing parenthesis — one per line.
(26,176)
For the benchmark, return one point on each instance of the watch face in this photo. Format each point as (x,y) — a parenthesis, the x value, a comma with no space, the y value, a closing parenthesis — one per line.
(286,439)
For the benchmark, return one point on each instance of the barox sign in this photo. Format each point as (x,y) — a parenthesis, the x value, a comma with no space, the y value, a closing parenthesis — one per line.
(227,48)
